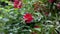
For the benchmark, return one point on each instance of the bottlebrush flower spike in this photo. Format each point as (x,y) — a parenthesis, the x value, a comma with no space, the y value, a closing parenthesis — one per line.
(51,1)
(17,4)
(58,5)
(28,17)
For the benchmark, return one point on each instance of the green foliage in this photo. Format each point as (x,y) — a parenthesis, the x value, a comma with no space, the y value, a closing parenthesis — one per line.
(11,19)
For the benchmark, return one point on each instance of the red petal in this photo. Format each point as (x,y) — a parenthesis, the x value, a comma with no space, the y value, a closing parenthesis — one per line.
(28,17)
(19,5)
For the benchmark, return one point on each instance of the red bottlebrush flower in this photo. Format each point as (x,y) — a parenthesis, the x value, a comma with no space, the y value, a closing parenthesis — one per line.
(51,1)
(17,4)
(28,17)
(36,26)
(58,5)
